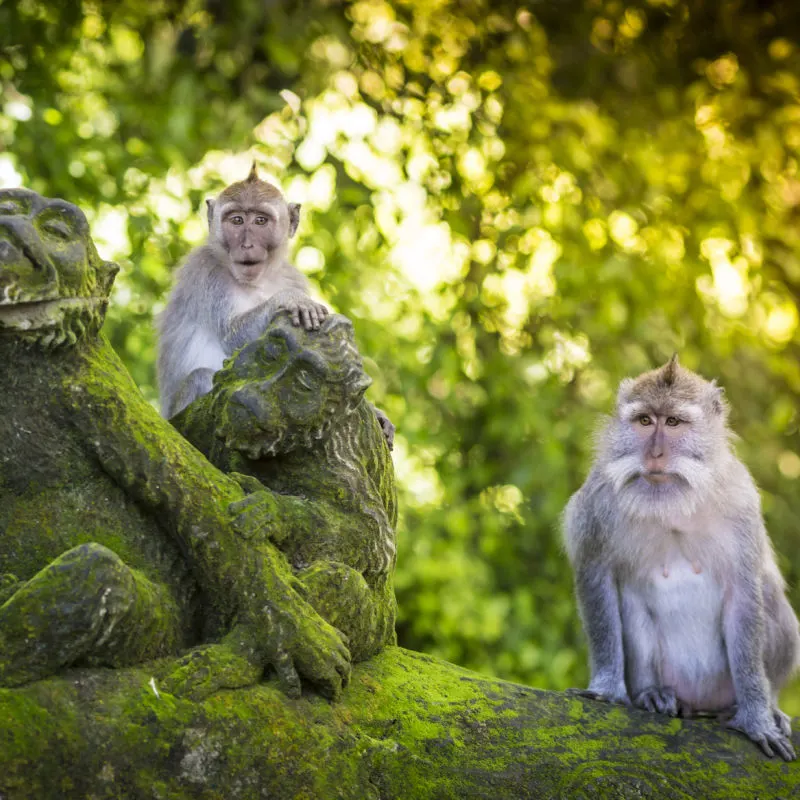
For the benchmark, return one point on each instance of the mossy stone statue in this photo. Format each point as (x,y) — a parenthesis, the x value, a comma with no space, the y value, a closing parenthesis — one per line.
(116,540)
(288,413)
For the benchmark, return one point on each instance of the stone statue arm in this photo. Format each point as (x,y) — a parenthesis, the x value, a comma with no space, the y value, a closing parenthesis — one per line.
(352,537)
(268,622)
(348,569)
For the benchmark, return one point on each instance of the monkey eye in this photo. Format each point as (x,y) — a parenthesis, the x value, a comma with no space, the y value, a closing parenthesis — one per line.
(237,220)
(645,420)
(261,220)
(673,422)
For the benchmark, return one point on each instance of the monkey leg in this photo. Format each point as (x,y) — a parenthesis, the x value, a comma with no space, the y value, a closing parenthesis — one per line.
(341,596)
(85,606)
(194,385)
(781,638)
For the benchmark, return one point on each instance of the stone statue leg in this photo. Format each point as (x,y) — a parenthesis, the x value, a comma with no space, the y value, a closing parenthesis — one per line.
(86,606)
(341,596)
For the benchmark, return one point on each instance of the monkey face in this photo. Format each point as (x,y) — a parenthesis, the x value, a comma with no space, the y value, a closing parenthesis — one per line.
(253,223)
(50,273)
(662,447)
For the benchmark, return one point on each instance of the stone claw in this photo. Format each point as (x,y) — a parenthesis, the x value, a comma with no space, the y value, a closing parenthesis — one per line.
(254,516)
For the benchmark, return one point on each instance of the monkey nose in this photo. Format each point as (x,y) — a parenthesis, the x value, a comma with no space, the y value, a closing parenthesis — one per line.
(250,401)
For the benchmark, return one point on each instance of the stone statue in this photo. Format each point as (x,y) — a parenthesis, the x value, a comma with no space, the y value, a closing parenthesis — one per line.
(120,543)
(288,413)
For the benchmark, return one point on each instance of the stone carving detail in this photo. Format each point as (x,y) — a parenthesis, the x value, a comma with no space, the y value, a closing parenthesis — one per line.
(120,543)
(287,418)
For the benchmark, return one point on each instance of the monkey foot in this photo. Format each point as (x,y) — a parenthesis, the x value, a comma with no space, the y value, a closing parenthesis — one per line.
(659,699)
(766,732)
(603,696)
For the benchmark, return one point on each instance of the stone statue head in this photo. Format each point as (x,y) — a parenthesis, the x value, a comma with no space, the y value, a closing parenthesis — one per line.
(54,286)
(286,389)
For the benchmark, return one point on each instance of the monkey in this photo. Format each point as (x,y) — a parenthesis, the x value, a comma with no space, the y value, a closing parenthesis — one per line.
(680,596)
(229,288)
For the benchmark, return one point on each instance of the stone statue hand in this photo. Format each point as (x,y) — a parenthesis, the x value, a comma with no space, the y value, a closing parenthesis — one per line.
(303,645)
(256,515)
(205,670)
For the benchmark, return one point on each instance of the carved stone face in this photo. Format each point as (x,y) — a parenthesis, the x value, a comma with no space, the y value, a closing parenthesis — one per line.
(286,389)
(53,285)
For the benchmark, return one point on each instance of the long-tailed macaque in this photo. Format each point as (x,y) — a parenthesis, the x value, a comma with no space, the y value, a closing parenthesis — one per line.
(680,596)
(229,288)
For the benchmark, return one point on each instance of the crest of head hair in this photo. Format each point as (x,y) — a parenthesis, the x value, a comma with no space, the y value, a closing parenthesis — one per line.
(669,373)
(253,176)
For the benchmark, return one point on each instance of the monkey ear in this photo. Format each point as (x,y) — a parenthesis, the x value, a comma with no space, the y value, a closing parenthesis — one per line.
(210,211)
(294,217)
(624,391)
(719,405)
(253,176)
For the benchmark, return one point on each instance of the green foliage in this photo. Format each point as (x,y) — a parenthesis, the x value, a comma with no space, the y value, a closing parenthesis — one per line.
(516,207)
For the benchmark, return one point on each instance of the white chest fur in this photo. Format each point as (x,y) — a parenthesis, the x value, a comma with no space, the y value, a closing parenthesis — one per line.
(245,298)
(678,599)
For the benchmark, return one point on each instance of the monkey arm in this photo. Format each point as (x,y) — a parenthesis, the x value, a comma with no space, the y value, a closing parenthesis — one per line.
(598,600)
(598,596)
(744,632)
(249,587)
(246,327)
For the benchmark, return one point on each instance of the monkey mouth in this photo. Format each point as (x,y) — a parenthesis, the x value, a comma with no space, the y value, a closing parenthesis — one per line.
(657,478)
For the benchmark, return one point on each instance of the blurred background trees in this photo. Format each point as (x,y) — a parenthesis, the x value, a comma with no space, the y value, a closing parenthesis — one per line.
(518,205)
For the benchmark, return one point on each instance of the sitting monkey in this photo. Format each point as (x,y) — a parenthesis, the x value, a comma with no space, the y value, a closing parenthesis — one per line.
(679,592)
(229,288)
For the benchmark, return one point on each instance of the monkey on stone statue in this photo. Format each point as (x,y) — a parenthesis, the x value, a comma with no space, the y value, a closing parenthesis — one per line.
(679,592)
(229,288)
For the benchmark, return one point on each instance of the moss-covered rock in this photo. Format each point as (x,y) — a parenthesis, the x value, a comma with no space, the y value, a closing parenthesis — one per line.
(408,726)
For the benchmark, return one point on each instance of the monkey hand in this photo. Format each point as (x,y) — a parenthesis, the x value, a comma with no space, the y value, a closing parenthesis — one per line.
(386,426)
(302,309)
(761,727)
(659,699)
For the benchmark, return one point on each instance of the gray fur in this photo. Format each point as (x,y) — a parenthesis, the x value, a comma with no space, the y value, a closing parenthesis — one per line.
(210,313)
(676,580)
